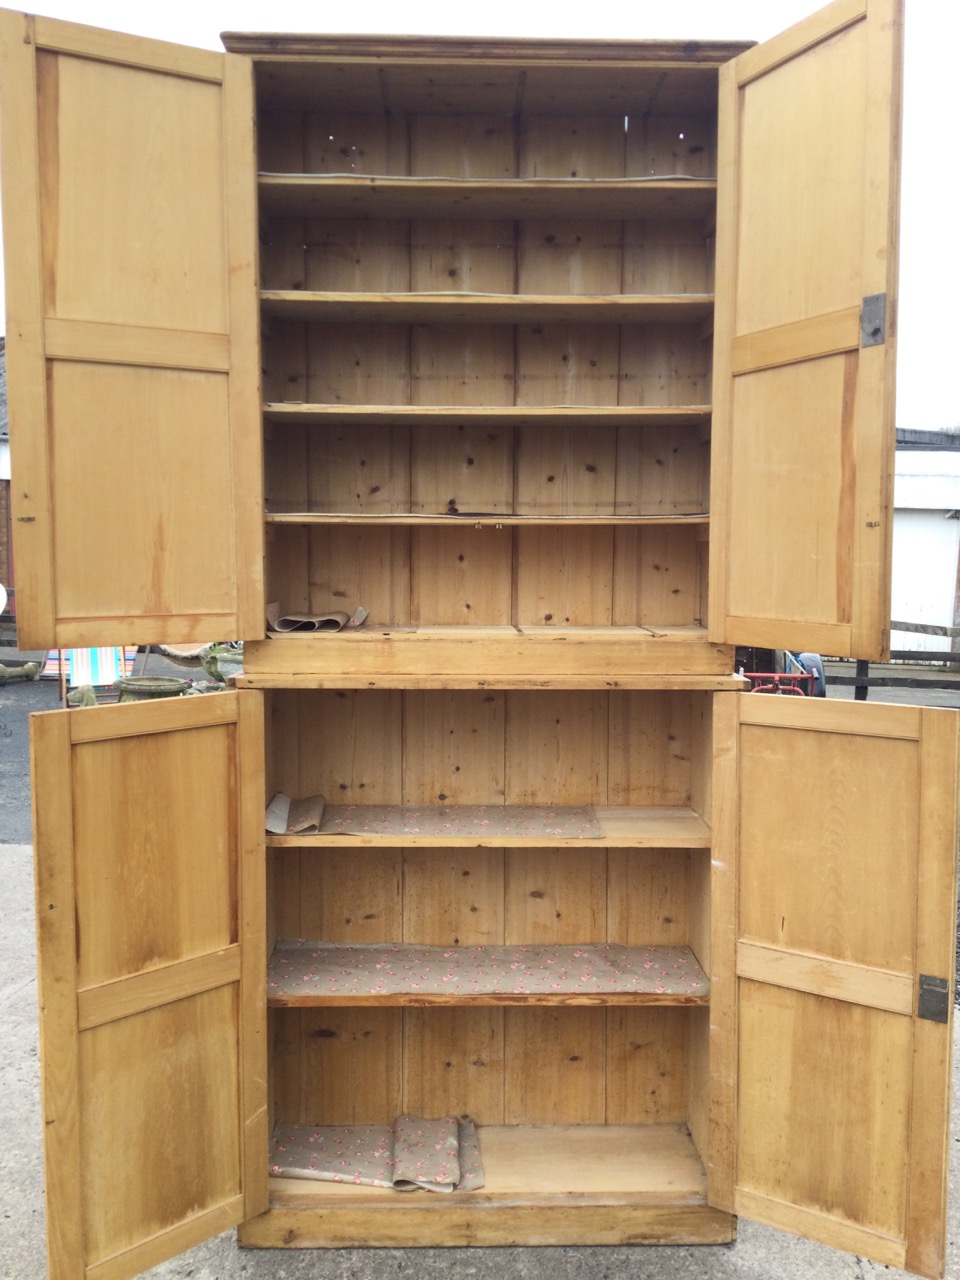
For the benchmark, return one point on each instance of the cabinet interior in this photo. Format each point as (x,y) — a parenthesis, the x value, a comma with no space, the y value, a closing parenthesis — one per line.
(590,1065)
(487,325)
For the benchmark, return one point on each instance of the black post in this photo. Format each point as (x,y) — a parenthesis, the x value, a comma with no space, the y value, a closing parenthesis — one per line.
(860,689)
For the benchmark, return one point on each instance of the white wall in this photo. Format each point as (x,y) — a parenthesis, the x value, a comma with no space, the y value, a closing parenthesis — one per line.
(926,544)
(925,548)
(4,460)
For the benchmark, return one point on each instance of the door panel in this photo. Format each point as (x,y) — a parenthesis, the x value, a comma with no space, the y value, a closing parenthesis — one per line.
(845,891)
(150,902)
(130,233)
(803,439)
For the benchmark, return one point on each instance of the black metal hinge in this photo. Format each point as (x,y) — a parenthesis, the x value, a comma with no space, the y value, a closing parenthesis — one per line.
(873,320)
(933,1002)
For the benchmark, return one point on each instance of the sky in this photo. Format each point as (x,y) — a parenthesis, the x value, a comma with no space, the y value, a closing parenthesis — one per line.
(928,390)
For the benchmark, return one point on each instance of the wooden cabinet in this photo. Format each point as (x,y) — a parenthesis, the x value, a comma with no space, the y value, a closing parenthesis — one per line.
(563,382)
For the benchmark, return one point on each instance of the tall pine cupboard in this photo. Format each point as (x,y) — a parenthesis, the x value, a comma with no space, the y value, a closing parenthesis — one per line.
(572,364)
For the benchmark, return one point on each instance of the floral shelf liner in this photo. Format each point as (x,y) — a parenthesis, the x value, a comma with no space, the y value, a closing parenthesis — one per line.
(484,821)
(302,970)
(411,1153)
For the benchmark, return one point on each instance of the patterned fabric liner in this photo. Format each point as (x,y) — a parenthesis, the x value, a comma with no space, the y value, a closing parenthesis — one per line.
(483,820)
(410,1154)
(300,968)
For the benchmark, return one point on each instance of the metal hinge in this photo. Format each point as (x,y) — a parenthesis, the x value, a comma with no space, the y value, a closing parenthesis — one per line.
(933,1002)
(873,320)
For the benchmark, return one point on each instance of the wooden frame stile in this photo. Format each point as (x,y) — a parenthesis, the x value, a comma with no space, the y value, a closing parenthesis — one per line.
(803,404)
(110,349)
(153,1044)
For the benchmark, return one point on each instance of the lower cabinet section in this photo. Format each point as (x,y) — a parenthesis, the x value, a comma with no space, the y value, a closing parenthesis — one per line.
(544,1184)
(505,914)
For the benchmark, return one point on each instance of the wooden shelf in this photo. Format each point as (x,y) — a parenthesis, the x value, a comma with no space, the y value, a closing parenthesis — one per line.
(545,1162)
(475,518)
(659,827)
(391,415)
(623,1184)
(317,975)
(499,657)
(352,196)
(485,308)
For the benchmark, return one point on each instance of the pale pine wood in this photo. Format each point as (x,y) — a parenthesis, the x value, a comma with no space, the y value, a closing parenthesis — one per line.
(650,746)
(469,468)
(356,256)
(420,1226)
(648,897)
(453,899)
(391,519)
(351,1067)
(357,364)
(555,895)
(453,748)
(449,256)
(462,577)
(189,1028)
(24,347)
(487,415)
(838,979)
(567,363)
(554,1066)
(133,344)
(930,1107)
(715,1130)
(471,365)
(623,826)
(289,193)
(565,576)
(646,1073)
(866,828)
(565,472)
(454,1063)
(478,308)
(464,657)
(343,899)
(775,318)
(355,142)
(92,100)
(556,749)
(108,1001)
(463,145)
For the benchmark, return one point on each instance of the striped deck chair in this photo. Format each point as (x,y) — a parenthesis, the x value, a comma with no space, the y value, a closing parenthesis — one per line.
(101,668)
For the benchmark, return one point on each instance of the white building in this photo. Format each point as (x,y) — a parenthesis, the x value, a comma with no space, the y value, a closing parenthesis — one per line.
(926,535)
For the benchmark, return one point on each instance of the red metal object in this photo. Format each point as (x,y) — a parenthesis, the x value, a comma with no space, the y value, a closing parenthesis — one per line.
(799,684)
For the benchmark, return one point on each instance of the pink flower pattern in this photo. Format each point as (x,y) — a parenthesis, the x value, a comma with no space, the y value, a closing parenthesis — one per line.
(304,971)
(412,1153)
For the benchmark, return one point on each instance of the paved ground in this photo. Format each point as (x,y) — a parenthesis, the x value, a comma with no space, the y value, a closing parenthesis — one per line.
(760,1253)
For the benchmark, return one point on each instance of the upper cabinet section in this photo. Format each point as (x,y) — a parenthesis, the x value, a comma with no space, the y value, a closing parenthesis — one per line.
(487,306)
(804,357)
(132,336)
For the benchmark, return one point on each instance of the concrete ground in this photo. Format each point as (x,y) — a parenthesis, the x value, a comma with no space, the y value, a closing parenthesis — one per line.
(759,1254)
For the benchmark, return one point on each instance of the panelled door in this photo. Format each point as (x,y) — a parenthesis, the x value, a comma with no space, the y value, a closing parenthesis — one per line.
(803,440)
(839,863)
(132,344)
(148,826)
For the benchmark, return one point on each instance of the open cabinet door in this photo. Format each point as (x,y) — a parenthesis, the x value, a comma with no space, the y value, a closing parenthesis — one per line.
(803,439)
(845,900)
(132,347)
(148,826)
